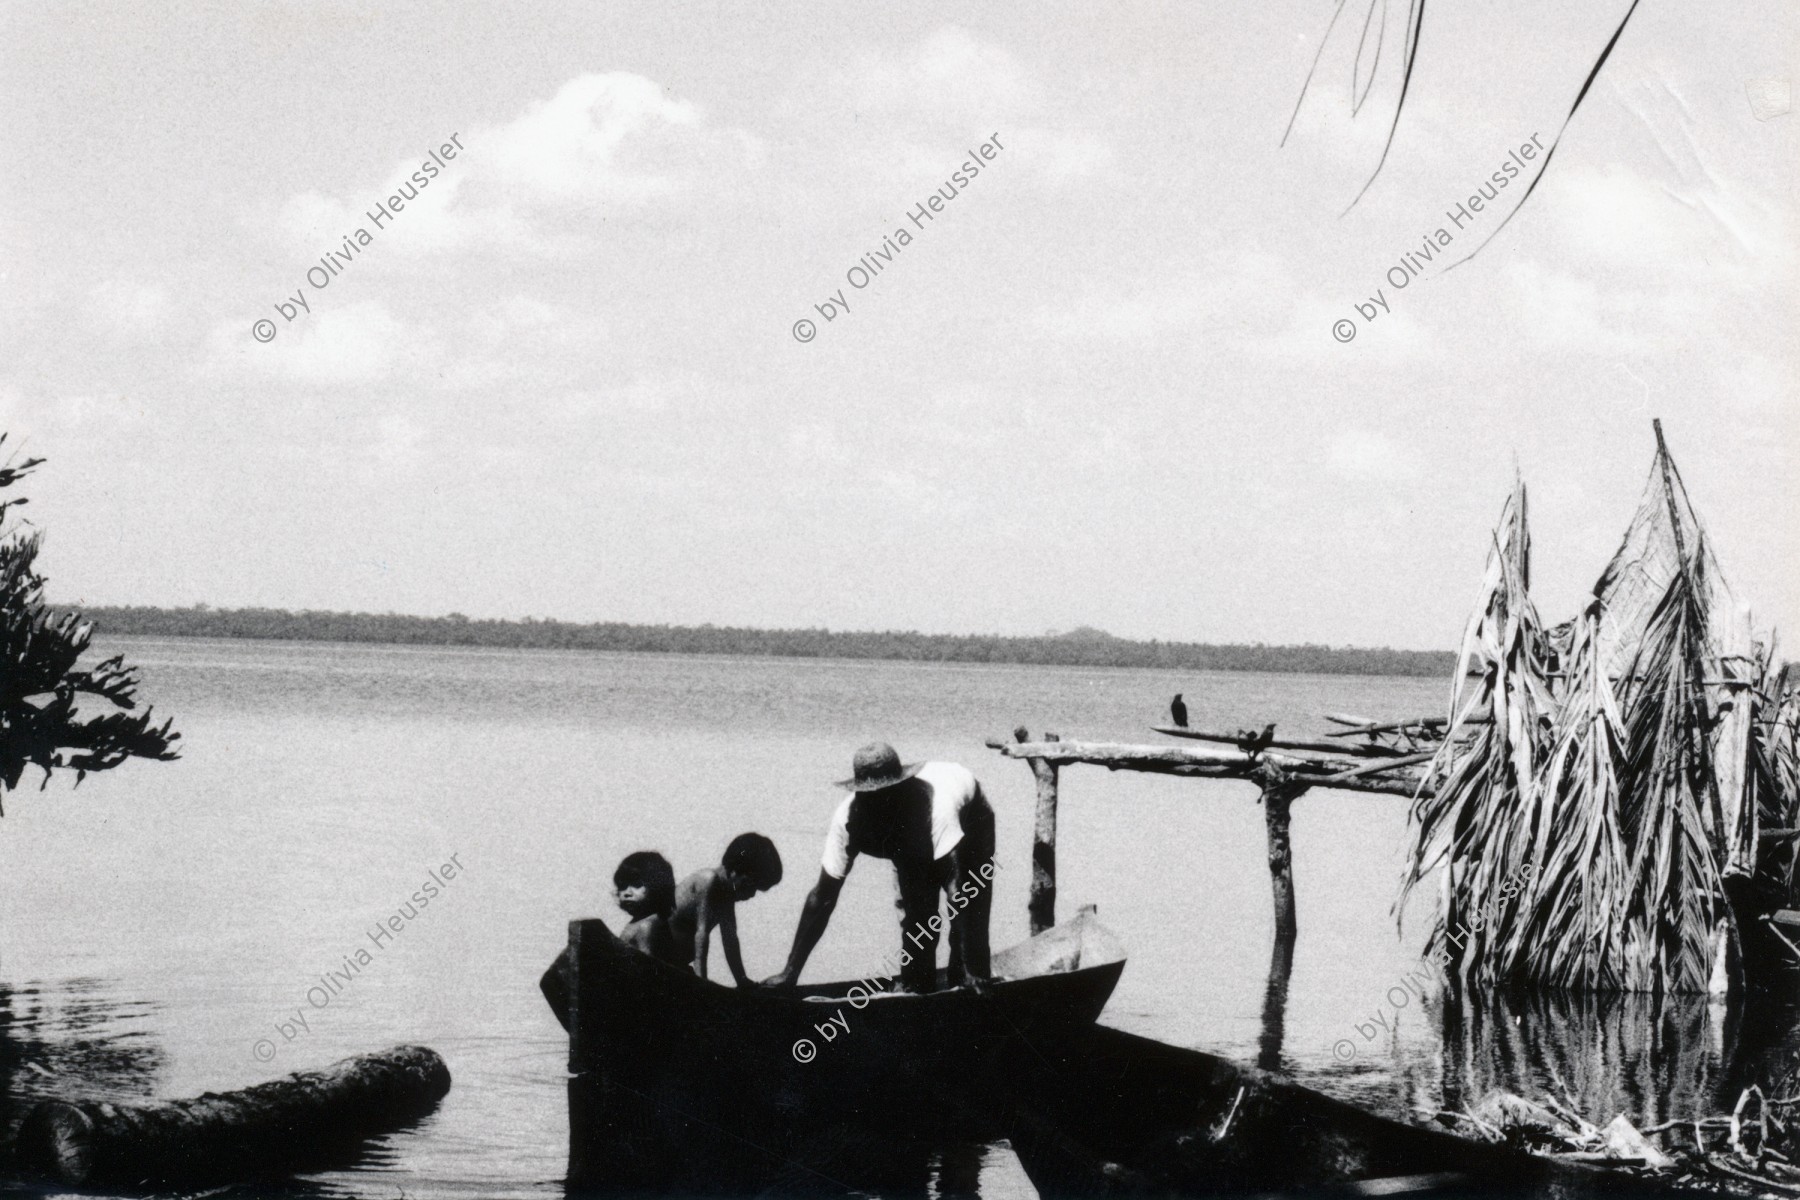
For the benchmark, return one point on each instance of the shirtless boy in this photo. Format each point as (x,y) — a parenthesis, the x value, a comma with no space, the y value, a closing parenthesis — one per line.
(708,899)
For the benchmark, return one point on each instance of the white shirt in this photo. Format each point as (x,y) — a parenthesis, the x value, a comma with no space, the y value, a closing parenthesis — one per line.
(952,787)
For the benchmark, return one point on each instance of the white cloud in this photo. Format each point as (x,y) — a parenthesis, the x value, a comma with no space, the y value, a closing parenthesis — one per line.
(60,416)
(359,343)
(1365,456)
(1236,281)
(928,104)
(1618,214)
(522,340)
(128,309)
(601,137)
(603,145)
(951,74)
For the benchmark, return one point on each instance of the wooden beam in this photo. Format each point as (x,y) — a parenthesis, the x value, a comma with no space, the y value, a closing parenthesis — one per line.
(1232,739)
(1381,765)
(1361,725)
(1197,763)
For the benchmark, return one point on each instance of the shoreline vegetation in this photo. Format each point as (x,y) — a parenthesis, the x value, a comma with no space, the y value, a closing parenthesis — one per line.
(1082,647)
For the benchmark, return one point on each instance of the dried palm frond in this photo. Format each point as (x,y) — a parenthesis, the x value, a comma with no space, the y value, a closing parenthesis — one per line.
(1774,789)
(1669,808)
(1622,764)
(1361,82)
(1480,820)
(1662,539)
(1571,919)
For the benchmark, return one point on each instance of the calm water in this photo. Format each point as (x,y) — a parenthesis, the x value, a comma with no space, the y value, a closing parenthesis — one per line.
(161,921)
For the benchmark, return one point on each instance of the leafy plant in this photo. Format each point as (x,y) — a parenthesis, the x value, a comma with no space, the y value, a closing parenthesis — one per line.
(46,695)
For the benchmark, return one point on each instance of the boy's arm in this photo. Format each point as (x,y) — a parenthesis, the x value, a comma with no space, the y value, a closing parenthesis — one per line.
(728,938)
(706,916)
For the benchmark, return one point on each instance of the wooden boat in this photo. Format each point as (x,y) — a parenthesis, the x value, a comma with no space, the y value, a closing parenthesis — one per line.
(1107,1113)
(683,1087)
(681,1083)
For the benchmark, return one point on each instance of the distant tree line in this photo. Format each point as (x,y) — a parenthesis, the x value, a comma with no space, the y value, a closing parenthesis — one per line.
(1081,648)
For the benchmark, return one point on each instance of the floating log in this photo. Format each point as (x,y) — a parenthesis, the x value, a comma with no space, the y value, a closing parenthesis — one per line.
(305,1120)
(1192,762)
(1207,735)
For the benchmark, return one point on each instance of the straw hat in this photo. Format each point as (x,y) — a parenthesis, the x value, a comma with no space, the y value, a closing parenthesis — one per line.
(877,765)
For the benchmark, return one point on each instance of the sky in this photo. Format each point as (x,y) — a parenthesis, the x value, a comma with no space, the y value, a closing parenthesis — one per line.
(1100,387)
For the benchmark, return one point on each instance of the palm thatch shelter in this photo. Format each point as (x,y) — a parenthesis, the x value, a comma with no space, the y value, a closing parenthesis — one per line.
(1637,762)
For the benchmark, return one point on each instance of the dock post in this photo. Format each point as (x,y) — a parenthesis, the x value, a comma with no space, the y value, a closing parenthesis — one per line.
(1043,840)
(1278,793)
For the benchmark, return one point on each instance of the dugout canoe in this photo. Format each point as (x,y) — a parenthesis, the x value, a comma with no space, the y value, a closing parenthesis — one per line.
(678,1081)
(1107,1113)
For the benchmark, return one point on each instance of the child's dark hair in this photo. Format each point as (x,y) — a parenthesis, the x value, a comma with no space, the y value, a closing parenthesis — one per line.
(651,871)
(755,857)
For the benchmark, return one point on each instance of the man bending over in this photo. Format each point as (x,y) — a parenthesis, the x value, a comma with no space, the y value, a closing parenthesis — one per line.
(933,823)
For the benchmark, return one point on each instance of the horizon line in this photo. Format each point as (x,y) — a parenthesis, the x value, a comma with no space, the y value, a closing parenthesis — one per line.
(1075,634)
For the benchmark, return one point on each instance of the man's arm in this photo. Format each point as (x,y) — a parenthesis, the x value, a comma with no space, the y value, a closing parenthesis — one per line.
(971,902)
(814,917)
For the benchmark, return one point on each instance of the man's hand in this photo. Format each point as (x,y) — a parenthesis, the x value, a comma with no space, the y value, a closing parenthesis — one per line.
(815,915)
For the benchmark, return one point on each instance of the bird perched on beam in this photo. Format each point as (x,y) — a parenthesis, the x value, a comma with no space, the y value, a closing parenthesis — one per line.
(1178,710)
(1255,743)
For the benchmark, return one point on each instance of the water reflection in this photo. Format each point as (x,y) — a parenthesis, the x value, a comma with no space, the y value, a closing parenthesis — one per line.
(1654,1058)
(827,1164)
(73,1039)
(1275,998)
(83,1040)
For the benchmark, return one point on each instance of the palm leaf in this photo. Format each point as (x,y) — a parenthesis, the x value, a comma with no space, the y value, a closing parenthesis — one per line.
(1570,932)
(1478,822)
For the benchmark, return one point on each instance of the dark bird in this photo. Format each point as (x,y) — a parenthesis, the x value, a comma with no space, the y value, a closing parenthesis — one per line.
(1255,743)
(1178,710)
